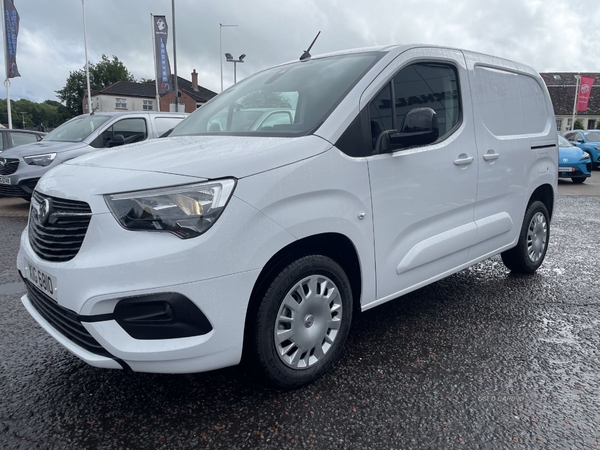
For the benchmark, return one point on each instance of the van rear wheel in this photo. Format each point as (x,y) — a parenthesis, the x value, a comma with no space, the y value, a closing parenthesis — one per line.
(531,249)
(303,321)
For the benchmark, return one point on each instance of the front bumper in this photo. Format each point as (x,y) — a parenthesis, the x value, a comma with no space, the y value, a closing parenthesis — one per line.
(577,170)
(222,300)
(22,189)
(216,271)
(23,180)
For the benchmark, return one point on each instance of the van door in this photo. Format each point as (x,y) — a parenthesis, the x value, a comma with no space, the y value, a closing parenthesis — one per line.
(510,117)
(422,197)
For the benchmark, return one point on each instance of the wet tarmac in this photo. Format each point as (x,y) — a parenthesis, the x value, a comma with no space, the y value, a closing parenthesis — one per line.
(483,359)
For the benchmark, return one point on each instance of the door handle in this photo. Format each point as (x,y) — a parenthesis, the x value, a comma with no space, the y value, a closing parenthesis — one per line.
(463,160)
(491,155)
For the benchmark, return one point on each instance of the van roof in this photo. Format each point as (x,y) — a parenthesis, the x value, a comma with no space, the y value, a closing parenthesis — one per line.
(399,48)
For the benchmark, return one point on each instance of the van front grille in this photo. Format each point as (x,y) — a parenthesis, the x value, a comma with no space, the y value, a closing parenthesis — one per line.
(57,227)
(8,166)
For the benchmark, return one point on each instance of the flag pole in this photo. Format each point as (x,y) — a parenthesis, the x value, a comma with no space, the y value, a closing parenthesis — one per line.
(155,62)
(577,77)
(6,80)
(175,59)
(87,64)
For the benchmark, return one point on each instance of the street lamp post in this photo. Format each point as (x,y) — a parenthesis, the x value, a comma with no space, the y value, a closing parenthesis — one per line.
(221,25)
(235,61)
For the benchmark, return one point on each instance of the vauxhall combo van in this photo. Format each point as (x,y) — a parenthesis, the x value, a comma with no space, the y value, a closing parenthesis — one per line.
(387,169)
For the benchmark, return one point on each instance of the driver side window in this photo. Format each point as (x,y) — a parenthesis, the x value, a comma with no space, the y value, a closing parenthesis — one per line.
(420,85)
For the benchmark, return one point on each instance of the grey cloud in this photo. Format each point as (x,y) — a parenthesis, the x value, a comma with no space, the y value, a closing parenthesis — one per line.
(548,35)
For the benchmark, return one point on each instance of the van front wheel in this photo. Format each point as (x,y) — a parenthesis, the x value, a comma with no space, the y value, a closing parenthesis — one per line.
(531,249)
(303,321)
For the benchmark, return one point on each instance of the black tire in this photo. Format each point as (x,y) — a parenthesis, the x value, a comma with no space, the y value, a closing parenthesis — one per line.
(578,180)
(529,254)
(321,307)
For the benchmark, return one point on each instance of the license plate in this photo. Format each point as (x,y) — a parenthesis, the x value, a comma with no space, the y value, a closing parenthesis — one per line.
(43,281)
(566,169)
(4,180)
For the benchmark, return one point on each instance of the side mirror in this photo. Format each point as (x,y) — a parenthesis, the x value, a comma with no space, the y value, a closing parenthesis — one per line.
(117,140)
(580,141)
(420,127)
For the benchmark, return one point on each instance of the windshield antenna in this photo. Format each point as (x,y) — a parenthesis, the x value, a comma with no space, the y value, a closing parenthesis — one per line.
(306,54)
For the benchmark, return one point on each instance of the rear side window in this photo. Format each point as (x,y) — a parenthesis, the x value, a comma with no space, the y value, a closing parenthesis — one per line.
(420,85)
(509,103)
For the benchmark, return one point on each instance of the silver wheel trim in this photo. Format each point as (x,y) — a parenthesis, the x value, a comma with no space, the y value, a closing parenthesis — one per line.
(308,322)
(537,235)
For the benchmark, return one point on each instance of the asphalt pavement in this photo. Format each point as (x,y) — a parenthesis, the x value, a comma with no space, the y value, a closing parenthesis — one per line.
(482,359)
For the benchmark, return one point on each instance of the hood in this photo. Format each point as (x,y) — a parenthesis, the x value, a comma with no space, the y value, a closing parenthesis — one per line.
(572,154)
(39,148)
(206,156)
(89,184)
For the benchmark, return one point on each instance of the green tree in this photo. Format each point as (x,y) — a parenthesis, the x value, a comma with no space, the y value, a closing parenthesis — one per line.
(102,74)
(46,114)
(107,72)
(578,125)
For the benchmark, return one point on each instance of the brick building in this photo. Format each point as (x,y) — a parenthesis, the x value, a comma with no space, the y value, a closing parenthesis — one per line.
(562,89)
(128,96)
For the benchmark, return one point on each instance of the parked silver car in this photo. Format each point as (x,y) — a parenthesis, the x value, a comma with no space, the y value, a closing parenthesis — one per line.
(22,167)
(15,138)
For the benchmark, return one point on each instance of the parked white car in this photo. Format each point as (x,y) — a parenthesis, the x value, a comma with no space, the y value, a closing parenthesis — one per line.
(402,165)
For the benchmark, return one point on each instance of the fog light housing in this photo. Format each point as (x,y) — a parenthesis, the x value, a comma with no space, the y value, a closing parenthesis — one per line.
(161,316)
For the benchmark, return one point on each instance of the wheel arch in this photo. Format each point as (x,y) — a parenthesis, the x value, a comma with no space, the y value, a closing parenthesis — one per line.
(544,194)
(333,245)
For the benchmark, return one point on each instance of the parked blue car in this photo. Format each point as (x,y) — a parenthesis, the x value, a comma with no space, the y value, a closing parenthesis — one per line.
(573,162)
(587,140)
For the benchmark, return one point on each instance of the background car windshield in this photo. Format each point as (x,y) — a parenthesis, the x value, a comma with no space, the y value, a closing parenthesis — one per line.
(290,100)
(593,137)
(562,142)
(77,129)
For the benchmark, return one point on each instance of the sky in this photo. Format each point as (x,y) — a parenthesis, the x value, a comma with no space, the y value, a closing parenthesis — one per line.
(549,35)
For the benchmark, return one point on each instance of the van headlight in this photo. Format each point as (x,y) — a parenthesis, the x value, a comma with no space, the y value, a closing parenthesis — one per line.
(186,211)
(40,160)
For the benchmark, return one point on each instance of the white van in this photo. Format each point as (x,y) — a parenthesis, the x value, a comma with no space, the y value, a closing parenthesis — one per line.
(401,165)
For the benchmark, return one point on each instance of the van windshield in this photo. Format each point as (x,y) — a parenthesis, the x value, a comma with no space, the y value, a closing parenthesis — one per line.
(286,101)
(77,129)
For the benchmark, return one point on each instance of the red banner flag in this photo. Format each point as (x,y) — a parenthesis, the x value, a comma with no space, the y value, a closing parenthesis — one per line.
(585,89)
